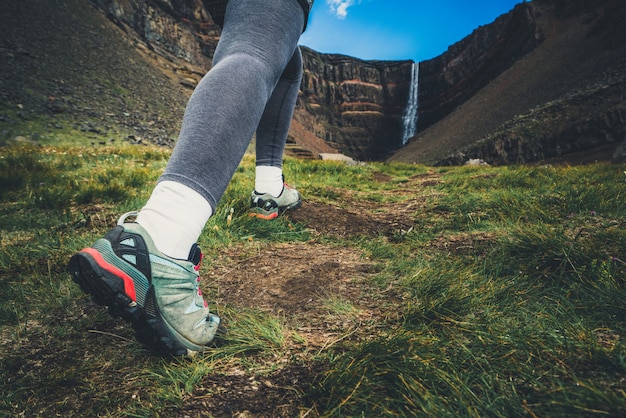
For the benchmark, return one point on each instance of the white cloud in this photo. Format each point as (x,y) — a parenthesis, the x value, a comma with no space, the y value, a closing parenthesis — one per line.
(339,7)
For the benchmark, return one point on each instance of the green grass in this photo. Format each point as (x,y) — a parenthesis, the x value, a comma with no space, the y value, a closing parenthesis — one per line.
(504,298)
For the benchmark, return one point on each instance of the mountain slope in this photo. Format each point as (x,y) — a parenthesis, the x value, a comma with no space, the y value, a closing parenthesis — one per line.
(576,75)
(66,64)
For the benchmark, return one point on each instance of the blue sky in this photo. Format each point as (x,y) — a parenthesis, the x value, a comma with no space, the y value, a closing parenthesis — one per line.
(397,29)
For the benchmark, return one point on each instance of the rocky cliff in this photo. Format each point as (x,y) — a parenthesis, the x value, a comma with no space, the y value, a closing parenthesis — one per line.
(452,78)
(356,106)
(561,101)
(544,82)
(179,33)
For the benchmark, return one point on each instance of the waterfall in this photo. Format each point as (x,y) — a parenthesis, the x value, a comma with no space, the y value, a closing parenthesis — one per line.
(409,119)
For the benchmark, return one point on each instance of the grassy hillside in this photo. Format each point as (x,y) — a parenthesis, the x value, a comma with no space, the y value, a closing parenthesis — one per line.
(395,290)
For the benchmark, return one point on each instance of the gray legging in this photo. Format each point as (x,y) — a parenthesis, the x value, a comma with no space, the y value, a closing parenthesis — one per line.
(253,85)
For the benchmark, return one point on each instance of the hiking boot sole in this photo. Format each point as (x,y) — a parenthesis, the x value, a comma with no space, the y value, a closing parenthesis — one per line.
(107,289)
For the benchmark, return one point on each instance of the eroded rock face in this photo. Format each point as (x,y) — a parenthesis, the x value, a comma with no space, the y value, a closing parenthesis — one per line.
(453,77)
(179,30)
(585,140)
(562,101)
(356,105)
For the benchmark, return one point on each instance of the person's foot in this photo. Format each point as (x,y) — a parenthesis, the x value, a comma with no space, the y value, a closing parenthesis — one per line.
(158,295)
(266,206)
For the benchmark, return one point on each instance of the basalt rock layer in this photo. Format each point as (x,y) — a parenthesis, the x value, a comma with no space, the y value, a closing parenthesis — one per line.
(355,105)
(450,79)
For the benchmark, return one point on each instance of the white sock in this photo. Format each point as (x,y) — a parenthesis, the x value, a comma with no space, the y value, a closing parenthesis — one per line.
(268,179)
(174,217)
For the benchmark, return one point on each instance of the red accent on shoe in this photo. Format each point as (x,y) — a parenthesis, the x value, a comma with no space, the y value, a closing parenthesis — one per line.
(129,285)
(266,217)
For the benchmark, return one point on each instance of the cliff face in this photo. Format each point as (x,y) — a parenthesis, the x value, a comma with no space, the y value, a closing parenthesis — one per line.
(467,66)
(178,34)
(494,85)
(355,105)
(562,101)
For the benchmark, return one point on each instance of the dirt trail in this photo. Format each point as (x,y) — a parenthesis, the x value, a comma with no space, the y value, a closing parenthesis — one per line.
(300,282)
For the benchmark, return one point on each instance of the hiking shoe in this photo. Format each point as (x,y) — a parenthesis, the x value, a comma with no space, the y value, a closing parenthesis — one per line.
(266,206)
(157,294)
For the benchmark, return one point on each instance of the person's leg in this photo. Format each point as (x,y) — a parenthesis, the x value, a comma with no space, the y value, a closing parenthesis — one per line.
(155,285)
(257,44)
(271,134)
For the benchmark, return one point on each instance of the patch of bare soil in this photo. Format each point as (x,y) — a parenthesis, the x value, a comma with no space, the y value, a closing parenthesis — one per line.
(467,243)
(291,278)
(298,282)
(357,216)
(297,279)
(242,395)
